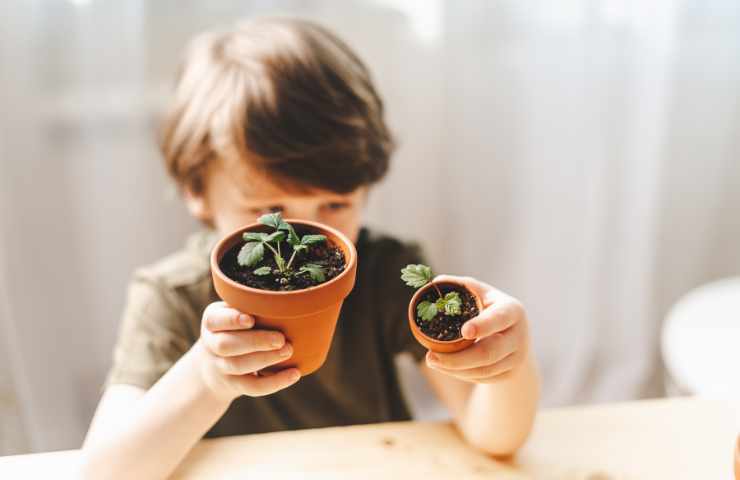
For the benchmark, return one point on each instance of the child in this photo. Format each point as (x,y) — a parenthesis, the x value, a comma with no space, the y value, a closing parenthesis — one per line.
(280,115)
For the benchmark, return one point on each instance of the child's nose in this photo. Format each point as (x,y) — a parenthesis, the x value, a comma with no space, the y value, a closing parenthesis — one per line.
(305,212)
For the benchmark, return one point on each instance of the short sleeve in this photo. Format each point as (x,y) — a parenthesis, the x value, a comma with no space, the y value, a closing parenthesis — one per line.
(396,295)
(152,336)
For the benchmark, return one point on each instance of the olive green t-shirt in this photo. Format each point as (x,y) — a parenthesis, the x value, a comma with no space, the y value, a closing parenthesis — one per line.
(357,384)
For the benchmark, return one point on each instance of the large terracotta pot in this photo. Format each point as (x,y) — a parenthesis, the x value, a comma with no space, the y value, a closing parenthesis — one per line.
(306,317)
(429,342)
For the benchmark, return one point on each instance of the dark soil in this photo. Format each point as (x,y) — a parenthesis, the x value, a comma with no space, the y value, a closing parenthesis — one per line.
(325,254)
(447,327)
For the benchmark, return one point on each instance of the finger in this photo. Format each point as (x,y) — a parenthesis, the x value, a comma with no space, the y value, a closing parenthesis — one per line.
(255,386)
(219,317)
(486,374)
(476,286)
(484,352)
(253,362)
(493,319)
(487,293)
(229,344)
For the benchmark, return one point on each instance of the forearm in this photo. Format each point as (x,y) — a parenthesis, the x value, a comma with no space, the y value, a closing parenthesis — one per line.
(165,424)
(497,417)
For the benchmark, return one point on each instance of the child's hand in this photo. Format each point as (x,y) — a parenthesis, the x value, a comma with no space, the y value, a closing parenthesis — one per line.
(232,353)
(502,337)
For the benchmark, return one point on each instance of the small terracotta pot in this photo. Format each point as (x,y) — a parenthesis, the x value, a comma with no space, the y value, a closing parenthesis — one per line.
(306,317)
(429,342)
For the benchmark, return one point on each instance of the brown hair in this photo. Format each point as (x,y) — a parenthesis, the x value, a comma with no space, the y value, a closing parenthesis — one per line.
(287,96)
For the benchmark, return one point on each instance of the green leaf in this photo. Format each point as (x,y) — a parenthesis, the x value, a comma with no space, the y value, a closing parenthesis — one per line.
(275,237)
(254,236)
(440,303)
(274,220)
(416,275)
(315,271)
(293,237)
(311,239)
(263,271)
(250,254)
(426,310)
(453,304)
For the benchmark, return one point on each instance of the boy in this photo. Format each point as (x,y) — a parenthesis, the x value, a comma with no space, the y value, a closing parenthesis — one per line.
(280,115)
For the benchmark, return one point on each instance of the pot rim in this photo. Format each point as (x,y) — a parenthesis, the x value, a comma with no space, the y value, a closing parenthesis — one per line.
(415,300)
(216,269)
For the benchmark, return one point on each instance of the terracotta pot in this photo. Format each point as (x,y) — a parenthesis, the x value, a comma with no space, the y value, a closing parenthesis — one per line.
(429,342)
(306,317)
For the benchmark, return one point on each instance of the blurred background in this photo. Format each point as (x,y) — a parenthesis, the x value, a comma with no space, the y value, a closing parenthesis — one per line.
(580,155)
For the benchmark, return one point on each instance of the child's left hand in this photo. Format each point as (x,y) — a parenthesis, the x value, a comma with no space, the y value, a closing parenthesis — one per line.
(502,335)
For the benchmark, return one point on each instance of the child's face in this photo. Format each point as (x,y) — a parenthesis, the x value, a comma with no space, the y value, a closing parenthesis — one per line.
(235,196)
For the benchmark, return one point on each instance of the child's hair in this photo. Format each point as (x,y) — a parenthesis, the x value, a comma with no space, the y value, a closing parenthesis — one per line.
(285,95)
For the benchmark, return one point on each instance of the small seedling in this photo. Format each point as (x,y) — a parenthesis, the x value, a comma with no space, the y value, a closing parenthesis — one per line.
(418,276)
(253,252)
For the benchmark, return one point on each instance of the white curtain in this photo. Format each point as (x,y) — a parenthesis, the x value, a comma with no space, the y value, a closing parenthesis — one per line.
(13,436)
(581,155)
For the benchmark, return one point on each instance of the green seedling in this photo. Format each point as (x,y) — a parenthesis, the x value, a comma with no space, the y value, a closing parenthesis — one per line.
(253,252)
(417,276)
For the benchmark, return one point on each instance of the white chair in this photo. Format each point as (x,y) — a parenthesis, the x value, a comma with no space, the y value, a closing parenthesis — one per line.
(701,342)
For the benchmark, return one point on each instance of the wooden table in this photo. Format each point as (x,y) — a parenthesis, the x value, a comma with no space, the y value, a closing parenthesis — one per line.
(656,439)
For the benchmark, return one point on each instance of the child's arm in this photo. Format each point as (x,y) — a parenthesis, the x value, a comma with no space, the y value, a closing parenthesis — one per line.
(491,387)
(145,434)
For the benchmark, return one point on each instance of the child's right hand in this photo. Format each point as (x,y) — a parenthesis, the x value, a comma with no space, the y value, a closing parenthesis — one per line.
(232,352)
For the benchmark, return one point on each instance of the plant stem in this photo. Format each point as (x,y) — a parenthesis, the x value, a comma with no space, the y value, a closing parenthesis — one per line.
(275,252)
(290,262)
(439,292)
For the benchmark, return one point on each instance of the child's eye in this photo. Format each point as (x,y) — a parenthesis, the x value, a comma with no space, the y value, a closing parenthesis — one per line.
(335,206)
